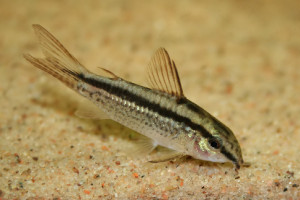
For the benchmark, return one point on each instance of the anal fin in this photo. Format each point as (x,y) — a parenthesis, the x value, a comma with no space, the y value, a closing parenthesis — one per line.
(88,110)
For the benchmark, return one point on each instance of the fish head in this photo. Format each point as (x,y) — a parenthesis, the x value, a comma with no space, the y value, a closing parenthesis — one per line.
(217,144)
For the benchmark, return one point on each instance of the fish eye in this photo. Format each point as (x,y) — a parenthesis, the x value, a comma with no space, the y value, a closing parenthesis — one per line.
(214,143)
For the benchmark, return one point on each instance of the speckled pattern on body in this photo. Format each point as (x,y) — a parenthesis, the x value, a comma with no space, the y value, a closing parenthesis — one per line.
(239,60)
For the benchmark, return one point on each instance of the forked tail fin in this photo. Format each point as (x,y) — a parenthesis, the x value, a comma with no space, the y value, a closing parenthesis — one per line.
(58,61)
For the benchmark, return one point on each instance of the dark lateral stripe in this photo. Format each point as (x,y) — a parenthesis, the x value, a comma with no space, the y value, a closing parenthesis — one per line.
(228,155)
(196,108)
(141,101)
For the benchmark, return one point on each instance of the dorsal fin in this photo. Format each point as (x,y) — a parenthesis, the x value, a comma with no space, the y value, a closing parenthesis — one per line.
(163,74)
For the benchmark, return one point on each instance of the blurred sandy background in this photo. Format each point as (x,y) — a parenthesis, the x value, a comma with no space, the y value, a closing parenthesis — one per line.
(238,59)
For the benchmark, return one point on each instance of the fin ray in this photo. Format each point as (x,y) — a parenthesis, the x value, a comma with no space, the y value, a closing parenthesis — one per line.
(51,47)
(87,110)
(53,68)
(58,62)
(163,74)
(113,75)
(142,147)
(166,155)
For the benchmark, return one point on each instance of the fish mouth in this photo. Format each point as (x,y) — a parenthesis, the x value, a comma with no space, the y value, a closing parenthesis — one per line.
(240,164)
(237,166)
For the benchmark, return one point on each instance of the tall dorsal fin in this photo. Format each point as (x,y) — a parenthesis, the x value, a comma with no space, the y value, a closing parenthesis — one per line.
(163,74)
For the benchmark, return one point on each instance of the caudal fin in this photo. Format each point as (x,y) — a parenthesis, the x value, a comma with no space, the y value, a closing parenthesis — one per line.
(58,61)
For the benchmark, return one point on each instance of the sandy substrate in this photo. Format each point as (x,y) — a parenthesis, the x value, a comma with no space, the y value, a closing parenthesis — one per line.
(240,60)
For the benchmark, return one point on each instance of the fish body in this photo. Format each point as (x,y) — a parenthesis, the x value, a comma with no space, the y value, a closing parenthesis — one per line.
(162,112)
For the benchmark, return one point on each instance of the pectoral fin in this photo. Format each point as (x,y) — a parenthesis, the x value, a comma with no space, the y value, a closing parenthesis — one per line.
(166,155)
(143,146)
